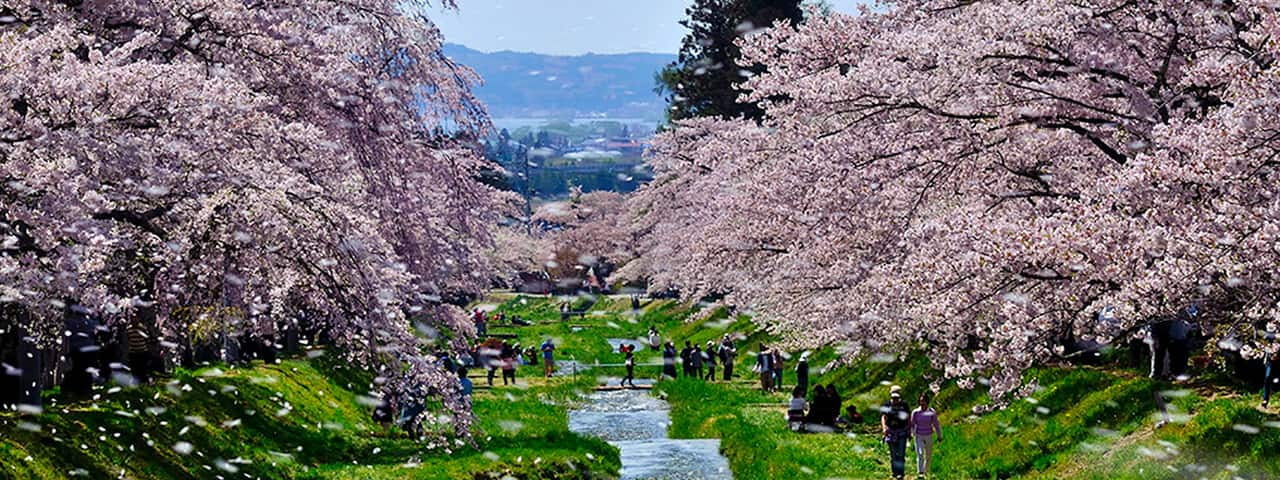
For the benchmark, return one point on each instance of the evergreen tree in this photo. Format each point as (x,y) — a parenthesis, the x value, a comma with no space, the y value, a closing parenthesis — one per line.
(700,83)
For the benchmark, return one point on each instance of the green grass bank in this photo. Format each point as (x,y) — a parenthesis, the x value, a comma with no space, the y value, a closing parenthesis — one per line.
(296,419)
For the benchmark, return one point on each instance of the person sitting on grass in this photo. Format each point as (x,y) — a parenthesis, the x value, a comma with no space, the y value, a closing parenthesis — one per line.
(851,418)
(796,410)
(833,405)
(464,382)
(819,405)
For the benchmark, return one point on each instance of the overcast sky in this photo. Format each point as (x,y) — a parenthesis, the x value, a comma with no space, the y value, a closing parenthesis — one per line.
(572,27)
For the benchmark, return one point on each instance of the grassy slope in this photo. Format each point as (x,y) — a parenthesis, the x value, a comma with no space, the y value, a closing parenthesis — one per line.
(1091,423)
(326,433)
(1084,422)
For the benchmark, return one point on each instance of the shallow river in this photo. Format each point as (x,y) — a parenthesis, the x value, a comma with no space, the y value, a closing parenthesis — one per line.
(636,423)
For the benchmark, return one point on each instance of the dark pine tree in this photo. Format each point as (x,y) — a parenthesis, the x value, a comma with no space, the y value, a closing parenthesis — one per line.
(700,83)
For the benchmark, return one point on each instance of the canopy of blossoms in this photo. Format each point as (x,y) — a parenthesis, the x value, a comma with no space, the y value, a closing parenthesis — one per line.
(289,159)
(981,178)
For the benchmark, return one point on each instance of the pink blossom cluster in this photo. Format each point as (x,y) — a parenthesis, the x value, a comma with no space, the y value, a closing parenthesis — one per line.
(293,159)
(587,229)
(980,179)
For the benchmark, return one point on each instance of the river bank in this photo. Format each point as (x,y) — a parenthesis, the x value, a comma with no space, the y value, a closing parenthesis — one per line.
(1083,422)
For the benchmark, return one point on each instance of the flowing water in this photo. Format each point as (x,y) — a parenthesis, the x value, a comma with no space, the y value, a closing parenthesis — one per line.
(636,423)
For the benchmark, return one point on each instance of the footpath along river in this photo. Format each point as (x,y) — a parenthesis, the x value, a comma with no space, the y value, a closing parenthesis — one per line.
(636,422)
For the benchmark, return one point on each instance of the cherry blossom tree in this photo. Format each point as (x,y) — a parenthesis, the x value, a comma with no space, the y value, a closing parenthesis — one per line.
(277,157)
(952,176)
(588,227)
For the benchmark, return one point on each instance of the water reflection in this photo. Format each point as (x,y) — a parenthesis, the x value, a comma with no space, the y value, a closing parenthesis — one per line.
(636,423)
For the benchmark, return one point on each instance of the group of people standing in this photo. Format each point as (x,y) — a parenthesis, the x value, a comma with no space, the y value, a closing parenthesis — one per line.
(496,355)
(695,361)
(769,366)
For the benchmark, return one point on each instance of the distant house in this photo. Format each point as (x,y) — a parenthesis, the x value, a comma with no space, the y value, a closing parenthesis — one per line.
(628,148)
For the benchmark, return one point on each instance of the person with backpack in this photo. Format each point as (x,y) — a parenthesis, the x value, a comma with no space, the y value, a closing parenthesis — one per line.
(548,357)
(924,426)
(764,367)
(895,426)
(727,353)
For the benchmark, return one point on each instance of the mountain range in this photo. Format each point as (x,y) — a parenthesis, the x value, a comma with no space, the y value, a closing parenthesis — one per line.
(531,85)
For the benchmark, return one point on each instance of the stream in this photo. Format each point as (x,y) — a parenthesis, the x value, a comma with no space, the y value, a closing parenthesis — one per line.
(636,423)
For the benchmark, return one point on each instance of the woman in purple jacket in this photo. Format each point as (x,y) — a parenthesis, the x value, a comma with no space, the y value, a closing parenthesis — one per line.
(924,427)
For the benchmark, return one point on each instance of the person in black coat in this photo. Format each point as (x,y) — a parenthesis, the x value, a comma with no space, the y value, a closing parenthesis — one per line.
(802,372)
(818,406)
(669,360)
(686,359)
(709,358)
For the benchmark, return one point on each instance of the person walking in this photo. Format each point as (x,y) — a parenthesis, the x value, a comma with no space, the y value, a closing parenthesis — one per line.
(764,366)
(895,426)
(695,362)
(508,359)
(777,369)
(686,359)
(630,362)
(482,327)
(1270,370)
(548,357)
(489,359)
(1180,341)
(802,372)
(669,360)
(727,353)
(925,427)
(709,358)
(1158,340)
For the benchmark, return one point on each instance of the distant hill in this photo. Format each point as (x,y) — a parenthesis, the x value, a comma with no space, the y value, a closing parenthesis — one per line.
(530,85)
